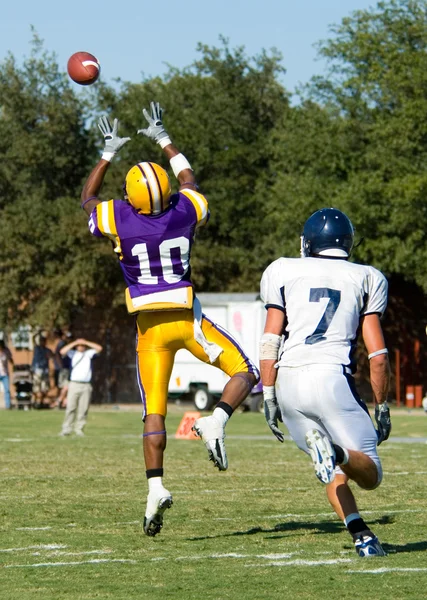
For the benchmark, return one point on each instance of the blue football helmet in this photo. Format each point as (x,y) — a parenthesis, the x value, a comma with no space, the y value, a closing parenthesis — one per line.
(328,232)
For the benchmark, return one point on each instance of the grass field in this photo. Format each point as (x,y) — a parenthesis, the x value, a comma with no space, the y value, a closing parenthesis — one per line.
(72,508)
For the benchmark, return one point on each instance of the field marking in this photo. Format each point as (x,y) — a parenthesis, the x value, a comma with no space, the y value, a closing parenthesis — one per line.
(83,553)
(390,570)
(95,561)
(34,528)
(39,547)
(331,514)
(299,562)
(233,555)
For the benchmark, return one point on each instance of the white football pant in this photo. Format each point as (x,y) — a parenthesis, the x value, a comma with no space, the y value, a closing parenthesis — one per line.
(323,397)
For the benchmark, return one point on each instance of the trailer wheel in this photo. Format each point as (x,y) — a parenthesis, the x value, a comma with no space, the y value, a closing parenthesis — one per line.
(257,403)
(202,399)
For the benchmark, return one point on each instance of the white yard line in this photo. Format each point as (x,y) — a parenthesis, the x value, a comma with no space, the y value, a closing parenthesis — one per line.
(389,570)
(95,561)
(34,528)
(302,563)
(39,547)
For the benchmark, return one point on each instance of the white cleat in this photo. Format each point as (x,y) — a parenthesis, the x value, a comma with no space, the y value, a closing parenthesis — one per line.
(212,434)
(157,502)
(322,454)
(368,546)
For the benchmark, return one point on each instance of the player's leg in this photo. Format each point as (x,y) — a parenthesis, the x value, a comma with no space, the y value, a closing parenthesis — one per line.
(350,427)
(243,376)
(70,412)
(155,355)
(346,420)
(83,407)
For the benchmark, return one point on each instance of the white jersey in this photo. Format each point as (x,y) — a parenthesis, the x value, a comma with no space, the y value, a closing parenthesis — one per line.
(323,299)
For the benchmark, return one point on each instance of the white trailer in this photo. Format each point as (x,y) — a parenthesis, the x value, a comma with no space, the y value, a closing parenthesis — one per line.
(243,316)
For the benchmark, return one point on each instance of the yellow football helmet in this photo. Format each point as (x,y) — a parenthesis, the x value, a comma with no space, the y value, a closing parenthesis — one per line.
(147,188)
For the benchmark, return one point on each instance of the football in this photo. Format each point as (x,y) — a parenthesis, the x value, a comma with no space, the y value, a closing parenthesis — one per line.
(83,68)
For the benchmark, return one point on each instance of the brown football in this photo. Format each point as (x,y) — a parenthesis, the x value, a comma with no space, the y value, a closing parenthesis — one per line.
(83,68)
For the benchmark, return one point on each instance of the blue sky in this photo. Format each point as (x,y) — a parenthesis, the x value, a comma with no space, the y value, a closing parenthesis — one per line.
(131,37)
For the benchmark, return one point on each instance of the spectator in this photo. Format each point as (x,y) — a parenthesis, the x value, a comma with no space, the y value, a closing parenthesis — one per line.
(42,359)
(5,358)
(81,352)
(62,367)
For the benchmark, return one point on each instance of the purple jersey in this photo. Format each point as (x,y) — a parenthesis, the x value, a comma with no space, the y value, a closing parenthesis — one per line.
(154,251)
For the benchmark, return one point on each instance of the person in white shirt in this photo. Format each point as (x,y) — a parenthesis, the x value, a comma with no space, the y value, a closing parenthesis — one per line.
(316,306)
(80,352)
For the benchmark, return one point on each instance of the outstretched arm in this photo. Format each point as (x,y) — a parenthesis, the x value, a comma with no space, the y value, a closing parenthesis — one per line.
(156,131)
(379,372)
(113,143)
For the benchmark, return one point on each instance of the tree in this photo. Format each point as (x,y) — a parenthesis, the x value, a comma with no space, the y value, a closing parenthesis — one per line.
(48,260)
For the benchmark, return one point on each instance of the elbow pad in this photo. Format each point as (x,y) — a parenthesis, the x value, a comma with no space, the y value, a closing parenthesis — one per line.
(269,346)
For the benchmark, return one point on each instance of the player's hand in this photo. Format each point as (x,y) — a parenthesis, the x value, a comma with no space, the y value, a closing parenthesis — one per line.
(272,412)
(155,129)
(113,142)
(382,418)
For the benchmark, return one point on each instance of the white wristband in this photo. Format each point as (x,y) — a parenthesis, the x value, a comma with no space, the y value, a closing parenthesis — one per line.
(179,163)
(269,392)
(377,353)
(108,156)
(165,142)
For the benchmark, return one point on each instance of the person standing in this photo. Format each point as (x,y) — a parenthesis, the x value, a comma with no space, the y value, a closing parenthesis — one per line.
(320,302)
(5,359)
(152,233)
(80,352)
(41,367)
(62,371)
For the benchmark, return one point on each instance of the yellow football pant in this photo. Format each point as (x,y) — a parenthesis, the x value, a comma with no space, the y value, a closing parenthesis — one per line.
(160,335)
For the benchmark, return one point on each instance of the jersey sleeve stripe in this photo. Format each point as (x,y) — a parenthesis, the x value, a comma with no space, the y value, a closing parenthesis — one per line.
(199,202)
(111,218)
(107,223)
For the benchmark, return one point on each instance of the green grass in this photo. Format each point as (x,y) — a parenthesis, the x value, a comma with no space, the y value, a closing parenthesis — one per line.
(262,530)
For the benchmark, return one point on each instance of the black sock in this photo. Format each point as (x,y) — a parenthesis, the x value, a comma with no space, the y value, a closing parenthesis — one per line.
(339,454)
(225,407)
(154,473)
(357,527)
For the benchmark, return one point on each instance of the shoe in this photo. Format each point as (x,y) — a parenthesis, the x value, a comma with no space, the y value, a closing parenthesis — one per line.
(322,454)
(368,546)
(212,434)
(79,434)
(157,503)
(64,433)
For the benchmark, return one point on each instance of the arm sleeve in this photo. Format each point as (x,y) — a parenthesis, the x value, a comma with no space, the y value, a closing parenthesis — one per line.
(200,205)
(272,294)
(377,293)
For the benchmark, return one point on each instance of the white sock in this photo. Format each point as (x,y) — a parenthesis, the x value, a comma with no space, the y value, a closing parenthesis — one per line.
(154,483)
(221,416)
(352,517)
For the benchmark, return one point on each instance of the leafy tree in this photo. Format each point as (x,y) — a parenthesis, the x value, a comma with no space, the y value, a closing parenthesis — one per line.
(48,261)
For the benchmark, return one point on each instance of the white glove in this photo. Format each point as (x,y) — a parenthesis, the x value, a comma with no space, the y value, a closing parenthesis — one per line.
(272,411)
(155,129)
(113,142)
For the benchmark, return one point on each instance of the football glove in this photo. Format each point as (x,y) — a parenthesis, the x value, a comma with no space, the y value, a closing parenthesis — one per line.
(382,418)
(272,411)
(155,129)
(113,142)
